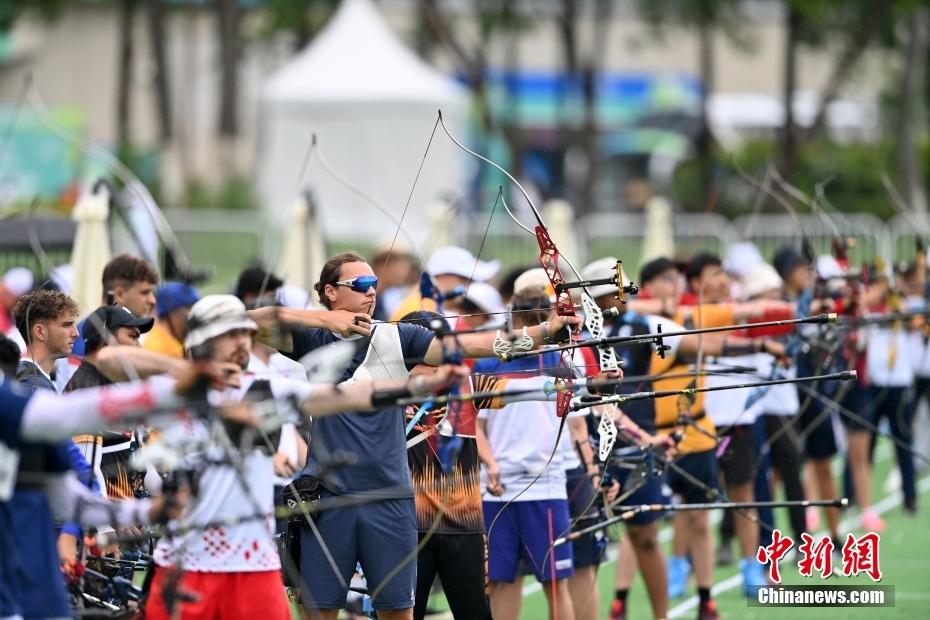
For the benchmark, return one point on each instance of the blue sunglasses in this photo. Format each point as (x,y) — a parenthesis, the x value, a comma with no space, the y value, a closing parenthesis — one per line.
(360,284)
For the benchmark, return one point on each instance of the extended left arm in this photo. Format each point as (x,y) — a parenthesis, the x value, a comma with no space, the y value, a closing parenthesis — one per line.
(481,344)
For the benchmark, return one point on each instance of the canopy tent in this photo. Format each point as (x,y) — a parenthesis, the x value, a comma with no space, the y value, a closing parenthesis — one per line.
(372,103)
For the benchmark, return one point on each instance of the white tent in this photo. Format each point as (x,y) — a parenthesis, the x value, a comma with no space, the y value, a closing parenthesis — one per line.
(372,104)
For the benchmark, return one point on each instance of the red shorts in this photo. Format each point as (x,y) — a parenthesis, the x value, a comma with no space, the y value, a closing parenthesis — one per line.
(222,596)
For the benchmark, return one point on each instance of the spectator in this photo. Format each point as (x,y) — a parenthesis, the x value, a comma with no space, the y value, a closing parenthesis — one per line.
(255,282)
(132,282)
(46,321)
(106,325)
(175,300)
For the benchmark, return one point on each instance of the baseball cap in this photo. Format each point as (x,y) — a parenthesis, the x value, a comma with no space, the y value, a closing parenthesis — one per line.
(112,317)
(292,296)
(534,278)
(485,296)
(173,295)
(460,262)
(213,316)
(601,268)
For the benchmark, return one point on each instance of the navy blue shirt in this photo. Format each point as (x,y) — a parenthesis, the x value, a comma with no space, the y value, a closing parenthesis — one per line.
(30,579)
(376,438)
(637,359)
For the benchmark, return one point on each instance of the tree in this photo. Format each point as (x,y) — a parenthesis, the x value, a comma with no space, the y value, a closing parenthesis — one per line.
(229,17)
(162,93)
(708,17)
(12,10)
(853,24)
(302,19)
(912,80)
(582,70)
(858,23)
(470,60)
(124,84)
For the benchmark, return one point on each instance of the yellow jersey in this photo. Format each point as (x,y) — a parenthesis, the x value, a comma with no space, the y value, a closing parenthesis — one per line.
(160,340)
(709,315)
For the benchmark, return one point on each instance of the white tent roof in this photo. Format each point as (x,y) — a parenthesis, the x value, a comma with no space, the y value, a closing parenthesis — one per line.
(357,57)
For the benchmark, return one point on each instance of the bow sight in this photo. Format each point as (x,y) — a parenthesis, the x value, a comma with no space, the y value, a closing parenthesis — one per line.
(615,280)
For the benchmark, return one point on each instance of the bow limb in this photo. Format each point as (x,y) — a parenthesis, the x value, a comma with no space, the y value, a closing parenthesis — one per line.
(810,201)
(358,191)
(778,198)
(115,167)
(500,169)
(549,258)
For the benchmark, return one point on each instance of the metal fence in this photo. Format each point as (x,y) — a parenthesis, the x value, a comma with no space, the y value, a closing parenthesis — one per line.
(227,241)
(223,241)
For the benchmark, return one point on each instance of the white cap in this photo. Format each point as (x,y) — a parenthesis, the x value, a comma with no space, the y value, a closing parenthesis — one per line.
(828,267)
(742,258)
(534,278)
(18,281)
(292,296)
(485,296)
(396,246)
(213,316)
(760,279)
(63,277)
(460,262)
(601,268)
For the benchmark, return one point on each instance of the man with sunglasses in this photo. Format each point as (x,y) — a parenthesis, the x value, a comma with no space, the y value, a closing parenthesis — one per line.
(382,532)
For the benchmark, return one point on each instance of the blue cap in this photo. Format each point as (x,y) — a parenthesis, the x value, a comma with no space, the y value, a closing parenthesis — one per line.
(172,295)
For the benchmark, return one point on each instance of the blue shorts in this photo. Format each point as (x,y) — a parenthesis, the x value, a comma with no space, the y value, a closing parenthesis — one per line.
(379,535)
(702,466)
(526,530)
(816,426)
(648,492)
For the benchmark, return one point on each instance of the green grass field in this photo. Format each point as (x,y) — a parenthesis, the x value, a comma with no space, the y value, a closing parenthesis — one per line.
(904,561)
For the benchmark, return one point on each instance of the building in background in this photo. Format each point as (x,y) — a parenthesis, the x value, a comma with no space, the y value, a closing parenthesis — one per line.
(647,92)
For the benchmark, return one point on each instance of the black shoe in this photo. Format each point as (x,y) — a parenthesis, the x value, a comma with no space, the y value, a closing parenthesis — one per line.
(910,505)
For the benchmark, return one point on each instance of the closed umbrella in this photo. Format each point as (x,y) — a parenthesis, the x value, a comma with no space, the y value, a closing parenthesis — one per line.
(293,264)
(91,250)
(316,246)
(441,215)
(304,249)
(660,239)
